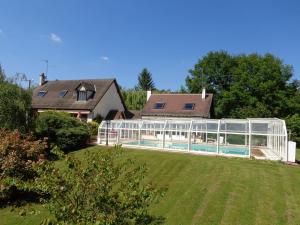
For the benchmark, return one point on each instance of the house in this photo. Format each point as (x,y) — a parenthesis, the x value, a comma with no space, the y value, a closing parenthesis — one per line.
(85,99)
(174,106)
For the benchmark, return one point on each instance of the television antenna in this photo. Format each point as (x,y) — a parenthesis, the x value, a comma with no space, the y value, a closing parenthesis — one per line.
(46,61)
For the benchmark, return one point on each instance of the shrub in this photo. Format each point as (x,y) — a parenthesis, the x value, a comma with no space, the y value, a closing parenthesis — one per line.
(62,130)
(72,138)
(93,128)
(102,188)
(18,159)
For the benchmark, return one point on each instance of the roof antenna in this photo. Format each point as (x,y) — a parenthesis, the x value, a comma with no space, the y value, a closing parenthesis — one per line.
(46,61)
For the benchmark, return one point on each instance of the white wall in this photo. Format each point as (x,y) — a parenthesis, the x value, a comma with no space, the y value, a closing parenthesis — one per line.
(110,101)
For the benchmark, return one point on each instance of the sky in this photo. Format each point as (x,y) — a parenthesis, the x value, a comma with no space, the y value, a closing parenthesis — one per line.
(96,39)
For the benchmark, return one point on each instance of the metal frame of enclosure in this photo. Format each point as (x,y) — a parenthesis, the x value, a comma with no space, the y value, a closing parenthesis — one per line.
(229,137)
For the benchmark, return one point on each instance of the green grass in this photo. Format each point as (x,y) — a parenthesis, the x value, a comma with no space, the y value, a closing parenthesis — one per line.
(211,190)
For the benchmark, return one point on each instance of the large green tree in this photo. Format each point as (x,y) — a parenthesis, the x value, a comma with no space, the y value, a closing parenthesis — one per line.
(15,108)
(134,99)
(2,75)
(246,85)
(145,81)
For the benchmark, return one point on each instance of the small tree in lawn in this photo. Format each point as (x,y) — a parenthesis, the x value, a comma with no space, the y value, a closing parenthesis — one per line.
(145,81)
(102,188)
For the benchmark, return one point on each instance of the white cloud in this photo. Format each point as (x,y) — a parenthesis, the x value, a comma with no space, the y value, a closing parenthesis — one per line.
(55,38)
(105,58)
(1,32)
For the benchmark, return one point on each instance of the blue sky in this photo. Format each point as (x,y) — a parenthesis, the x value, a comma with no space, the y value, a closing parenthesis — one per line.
(117,38)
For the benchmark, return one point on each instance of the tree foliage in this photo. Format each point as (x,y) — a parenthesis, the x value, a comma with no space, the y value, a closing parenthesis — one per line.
(18,158)
(134,99)
(61,129)
(293,124)
(246,85)
(145,81)
(2,75)
(15,108)
(103,188)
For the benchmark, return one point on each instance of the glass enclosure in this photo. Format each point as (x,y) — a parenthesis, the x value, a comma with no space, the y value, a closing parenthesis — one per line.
(260,138)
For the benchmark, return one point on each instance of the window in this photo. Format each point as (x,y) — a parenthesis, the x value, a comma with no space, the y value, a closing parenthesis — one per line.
(62,93)
(189,106)
(81,96)
(42,93)
(159,105)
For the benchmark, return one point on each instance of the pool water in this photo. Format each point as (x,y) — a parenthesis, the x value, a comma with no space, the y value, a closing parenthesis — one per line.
(194,147)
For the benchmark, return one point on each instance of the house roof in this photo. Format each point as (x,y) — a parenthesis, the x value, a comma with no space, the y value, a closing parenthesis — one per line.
(52,100)
(174,105)
(115,115)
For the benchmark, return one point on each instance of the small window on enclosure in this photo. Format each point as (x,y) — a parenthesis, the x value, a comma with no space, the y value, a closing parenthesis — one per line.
(189,106)
(42,93)
(62,93)
(159,105)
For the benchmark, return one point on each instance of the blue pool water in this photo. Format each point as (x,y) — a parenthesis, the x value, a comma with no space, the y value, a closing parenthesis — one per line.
(194,147)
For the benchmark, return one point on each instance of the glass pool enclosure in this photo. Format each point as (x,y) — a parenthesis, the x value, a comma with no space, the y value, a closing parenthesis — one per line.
(260,138)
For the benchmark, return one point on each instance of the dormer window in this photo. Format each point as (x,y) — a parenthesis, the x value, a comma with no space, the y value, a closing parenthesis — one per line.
(189,106)
(85,91)
(159,105)
(42,93)
(81,96)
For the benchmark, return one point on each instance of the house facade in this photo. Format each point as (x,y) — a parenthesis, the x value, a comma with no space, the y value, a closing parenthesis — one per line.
(177,106)
(84,99)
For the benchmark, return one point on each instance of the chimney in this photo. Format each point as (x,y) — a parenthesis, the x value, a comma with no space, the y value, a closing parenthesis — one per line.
(149,92)
(42,79)
(203,93)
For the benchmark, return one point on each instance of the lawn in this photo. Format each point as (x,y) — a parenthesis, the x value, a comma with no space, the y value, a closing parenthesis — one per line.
(211,190)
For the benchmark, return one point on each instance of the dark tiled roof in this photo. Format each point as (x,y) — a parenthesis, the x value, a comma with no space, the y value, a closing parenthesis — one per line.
(52,100)
(133,114)
(174,105)
(115,115)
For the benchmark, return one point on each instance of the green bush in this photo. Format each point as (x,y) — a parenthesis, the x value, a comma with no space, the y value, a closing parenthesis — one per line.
(93,128)
(19,157)
(72,138)
(102,188)
(62,130)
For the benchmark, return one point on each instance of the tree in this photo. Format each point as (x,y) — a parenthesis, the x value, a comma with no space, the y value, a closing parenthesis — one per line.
(102,188)
(145,81)
(2,75)
(246,85)
(15,108)
(293,124)
(134,99)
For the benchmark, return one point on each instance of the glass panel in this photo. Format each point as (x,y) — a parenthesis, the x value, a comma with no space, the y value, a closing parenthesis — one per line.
(42,93)
(62,93)
(189,106)
(81,96)
(159,105)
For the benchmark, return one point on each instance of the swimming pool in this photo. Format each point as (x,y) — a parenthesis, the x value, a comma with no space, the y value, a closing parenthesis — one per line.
(194,147)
